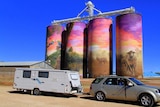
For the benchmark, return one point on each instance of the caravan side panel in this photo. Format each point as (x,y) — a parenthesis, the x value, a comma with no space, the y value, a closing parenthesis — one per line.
(47,80)
(54,82)
(23,79)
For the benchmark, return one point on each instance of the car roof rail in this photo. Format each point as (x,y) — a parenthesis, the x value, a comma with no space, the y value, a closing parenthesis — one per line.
(113,75)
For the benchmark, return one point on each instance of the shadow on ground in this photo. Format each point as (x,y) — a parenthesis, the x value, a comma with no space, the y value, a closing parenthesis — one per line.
(83,96)
(88,97)
(50,94)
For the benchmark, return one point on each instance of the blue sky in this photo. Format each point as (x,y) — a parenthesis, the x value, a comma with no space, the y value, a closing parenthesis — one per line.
(23,26)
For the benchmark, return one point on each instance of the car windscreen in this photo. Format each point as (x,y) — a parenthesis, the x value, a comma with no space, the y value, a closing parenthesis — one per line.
(136,81)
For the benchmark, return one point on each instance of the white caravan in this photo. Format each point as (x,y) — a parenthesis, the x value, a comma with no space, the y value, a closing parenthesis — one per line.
(47,80)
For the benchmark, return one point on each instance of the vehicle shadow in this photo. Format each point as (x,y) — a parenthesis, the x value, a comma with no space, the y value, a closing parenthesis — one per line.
(49,94)
(157,105)
(83,96)
(89,97)
(128,102)
(112,101)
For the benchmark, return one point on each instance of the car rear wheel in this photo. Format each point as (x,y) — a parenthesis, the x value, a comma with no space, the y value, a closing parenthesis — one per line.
(100,96)
(146,100)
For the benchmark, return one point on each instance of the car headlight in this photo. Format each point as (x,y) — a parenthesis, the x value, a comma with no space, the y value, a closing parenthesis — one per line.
(158,91)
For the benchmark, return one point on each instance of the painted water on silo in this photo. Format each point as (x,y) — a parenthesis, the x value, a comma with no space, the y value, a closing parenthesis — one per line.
(99,46)
(129,45)
(53,45)
(75,46)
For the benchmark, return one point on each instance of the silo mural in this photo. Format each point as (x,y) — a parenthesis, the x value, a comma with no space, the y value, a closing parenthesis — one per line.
(99,45)
(129,45)
(75,46)
(53,45)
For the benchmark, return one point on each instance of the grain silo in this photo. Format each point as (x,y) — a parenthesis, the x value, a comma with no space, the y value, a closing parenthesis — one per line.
(99,46)
(75,46)
(53,45)
(129,61)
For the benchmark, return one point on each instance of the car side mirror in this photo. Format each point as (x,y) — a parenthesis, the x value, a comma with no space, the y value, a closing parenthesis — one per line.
(130,84)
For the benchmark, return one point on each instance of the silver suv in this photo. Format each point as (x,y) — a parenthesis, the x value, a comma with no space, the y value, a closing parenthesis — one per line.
(124,88)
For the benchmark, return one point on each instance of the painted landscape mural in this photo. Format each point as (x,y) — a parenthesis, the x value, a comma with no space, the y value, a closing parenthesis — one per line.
(87,48)
(99,45)
(53,45)
(75,46)
(129,45)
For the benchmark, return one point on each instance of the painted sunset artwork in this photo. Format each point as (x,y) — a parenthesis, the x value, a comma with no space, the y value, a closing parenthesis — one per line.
(129,45)
(99,40)
(75,46)
(54,33)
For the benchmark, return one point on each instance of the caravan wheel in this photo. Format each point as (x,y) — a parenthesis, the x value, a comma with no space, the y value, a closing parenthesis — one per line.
(36,91)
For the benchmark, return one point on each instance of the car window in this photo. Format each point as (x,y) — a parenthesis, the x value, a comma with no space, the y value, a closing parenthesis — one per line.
(136,81)
(111,81)
(120,81)
(123,81)
(97,80)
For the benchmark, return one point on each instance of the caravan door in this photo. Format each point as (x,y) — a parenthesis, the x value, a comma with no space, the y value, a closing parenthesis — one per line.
(75,79)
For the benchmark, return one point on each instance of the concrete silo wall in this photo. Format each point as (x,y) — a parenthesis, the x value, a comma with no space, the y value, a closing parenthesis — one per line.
(53,45)
(99,45)
(129,45)
(75,46)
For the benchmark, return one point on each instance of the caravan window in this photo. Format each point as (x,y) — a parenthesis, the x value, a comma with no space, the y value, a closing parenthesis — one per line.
(43,74)
(74,77)
(26,74)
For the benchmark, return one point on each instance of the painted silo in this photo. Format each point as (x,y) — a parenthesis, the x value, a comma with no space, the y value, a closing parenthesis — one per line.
(75,46)
(129,61)
(53,45)
(99,46)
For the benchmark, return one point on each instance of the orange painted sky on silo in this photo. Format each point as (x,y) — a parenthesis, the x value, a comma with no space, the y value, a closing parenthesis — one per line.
(99,32)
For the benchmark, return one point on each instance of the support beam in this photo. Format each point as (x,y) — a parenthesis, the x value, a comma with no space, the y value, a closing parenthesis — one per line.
(111,13)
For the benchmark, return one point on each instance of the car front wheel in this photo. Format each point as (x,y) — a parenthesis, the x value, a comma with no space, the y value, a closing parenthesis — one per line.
(100,96)
(146,100)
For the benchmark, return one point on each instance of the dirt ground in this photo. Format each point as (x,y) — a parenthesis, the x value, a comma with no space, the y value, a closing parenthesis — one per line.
(9,97)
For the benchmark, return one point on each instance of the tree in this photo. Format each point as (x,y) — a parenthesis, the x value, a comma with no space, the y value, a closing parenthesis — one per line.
(70,49)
